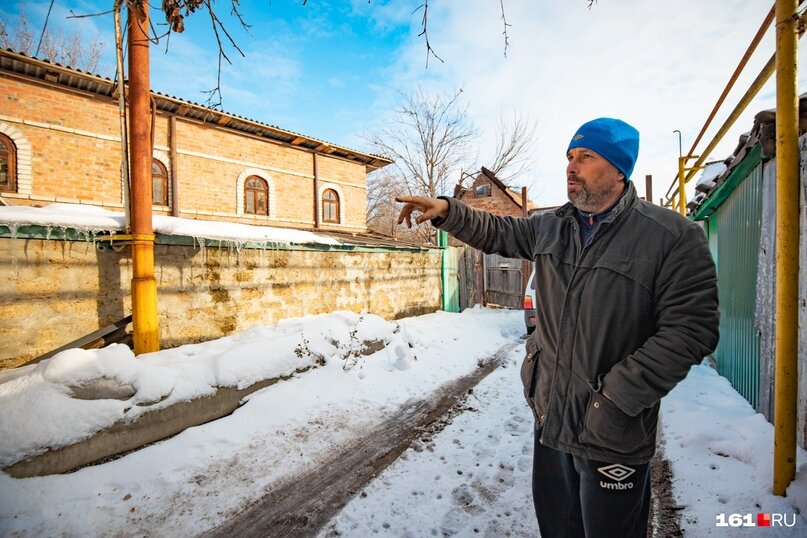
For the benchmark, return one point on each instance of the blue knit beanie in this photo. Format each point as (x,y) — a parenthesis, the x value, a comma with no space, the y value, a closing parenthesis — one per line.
(613,139)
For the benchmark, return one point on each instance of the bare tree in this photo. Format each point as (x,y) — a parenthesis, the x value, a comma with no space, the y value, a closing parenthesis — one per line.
(382,188)
(59,46)
(514,148)
(428,138)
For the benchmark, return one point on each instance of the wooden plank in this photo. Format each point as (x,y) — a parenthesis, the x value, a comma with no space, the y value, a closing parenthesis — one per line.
(86,341)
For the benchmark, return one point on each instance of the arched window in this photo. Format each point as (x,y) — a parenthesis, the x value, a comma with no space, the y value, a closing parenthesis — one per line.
(159,183)
(256,196)
(8,165)
(330,206)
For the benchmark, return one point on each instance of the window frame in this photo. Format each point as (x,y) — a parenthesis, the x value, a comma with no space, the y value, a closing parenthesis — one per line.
(164,172)
(248,190)
(335,202)
(483,190)
(11,162)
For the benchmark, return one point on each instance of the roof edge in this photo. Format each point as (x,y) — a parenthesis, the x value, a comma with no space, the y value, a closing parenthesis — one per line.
(217,118)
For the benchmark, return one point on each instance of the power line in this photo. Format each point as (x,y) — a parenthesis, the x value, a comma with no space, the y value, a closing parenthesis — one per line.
(44,28)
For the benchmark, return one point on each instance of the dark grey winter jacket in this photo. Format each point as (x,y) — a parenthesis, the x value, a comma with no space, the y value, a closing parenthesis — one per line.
(630,313)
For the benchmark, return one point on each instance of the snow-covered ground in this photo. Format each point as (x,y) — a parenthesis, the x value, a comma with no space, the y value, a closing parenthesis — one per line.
(471,478)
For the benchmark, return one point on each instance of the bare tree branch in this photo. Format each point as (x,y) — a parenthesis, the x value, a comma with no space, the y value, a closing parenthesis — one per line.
(504,21)
(425,33)
(175,12)
(514,147)
(56,46)
(23,38)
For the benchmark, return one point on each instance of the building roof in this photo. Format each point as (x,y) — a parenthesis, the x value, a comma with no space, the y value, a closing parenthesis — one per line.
(54,73)
(714,185)
(514,196)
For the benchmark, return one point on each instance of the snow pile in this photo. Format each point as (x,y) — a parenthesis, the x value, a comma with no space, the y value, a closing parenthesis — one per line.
(721,454)
(88,219)
(41,411)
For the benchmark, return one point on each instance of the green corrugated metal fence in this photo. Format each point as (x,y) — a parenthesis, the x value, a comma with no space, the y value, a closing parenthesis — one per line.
(738,229)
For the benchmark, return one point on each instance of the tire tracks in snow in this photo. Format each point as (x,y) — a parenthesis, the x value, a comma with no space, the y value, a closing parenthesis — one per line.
(302,504)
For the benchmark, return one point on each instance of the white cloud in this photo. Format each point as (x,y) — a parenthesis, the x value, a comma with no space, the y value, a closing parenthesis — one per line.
(658,65)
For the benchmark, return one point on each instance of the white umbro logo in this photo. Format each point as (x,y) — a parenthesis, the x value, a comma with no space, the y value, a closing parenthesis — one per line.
(616,471)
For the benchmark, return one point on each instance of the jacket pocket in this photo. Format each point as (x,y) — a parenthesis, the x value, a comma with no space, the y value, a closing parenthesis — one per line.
(607,426)
(529,378)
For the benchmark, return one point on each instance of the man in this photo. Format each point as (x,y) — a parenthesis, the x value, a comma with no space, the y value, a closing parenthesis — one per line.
(627,303)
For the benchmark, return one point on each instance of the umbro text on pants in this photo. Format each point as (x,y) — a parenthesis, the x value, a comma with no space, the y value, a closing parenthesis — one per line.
(579,498)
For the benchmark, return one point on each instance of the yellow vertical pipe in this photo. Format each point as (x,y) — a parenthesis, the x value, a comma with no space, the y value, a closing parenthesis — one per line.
(144,286)
(682,199)
(787,249)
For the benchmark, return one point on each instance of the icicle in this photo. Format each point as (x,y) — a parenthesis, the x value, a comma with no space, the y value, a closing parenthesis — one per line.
(202,247)
(13,228)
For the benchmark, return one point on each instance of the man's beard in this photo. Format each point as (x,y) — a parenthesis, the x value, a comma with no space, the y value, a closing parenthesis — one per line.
(587,197)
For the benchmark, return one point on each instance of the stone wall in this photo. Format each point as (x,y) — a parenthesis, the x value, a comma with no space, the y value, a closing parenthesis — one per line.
(55,291)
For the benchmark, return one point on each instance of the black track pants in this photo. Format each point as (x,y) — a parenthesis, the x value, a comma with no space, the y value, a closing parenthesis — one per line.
(579,498)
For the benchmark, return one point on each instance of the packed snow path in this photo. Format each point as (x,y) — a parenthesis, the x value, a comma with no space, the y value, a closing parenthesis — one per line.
(302,504)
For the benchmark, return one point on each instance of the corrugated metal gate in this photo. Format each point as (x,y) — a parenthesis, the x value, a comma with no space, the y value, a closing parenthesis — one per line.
(504,281)
(738,227)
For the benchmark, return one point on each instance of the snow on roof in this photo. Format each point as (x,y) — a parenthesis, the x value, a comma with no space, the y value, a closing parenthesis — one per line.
(710,173)
(92,220)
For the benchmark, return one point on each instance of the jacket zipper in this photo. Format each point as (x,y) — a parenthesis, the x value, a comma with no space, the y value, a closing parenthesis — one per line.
(576,233)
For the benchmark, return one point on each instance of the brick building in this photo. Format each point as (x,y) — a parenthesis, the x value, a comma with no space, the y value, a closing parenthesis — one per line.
(489,193)
(60,141)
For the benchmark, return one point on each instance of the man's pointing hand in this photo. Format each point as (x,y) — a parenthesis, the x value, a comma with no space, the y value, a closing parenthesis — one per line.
(429,208)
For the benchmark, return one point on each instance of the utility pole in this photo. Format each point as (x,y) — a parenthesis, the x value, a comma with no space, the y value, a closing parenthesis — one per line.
(144,287)
(787,249)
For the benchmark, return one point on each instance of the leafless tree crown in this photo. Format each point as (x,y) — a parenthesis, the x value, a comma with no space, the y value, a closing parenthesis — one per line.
(514,152)
(59,46)
(428,138)
(431,139)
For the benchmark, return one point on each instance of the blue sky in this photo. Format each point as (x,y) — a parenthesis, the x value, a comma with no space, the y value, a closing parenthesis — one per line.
(334,69)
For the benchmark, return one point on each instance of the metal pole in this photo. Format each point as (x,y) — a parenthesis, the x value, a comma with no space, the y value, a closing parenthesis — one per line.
(144,287)
(124,138)
(740,66)
(787,249)
(172,134)
(317,224)
(682,202)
